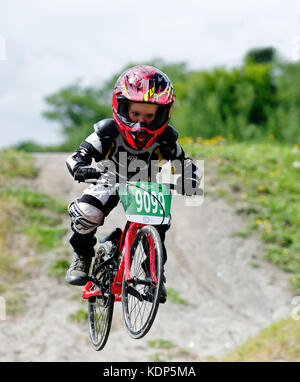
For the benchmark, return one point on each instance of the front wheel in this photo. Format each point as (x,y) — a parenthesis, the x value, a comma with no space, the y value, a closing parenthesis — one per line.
(140,294)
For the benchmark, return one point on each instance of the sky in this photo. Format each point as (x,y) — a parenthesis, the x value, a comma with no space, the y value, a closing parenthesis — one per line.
(47,45)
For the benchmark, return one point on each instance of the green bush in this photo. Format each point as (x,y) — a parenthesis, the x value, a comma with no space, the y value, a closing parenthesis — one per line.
(261,98)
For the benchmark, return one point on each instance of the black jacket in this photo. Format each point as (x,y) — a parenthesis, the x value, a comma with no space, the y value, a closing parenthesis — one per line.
(107,143)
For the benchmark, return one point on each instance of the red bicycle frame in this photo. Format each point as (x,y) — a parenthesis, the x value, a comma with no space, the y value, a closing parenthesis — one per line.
(124,268)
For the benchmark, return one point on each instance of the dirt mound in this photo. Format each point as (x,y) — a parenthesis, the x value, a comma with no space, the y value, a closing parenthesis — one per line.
(225,298)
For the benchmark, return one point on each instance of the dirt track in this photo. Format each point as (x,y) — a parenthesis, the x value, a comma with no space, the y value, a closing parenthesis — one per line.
(228,298)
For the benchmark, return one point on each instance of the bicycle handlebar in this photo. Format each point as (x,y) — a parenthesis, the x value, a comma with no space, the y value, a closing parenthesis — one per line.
(105,182)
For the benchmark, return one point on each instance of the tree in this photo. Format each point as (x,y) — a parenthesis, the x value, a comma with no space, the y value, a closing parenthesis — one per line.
(261,55)
(77,109)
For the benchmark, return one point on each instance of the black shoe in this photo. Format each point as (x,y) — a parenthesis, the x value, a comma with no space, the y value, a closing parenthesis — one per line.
(78,271)
(163,292)
(149,293)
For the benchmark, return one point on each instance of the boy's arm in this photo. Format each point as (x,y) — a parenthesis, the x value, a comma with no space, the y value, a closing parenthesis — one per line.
(95,146)
(83,156)
(78,163)
(191,174)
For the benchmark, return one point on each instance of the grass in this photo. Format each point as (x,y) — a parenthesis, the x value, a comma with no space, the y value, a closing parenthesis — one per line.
(80,316)
(167,350)
(279,342)
(161,344)
(174,296)
(59,267)
(262,180)
(29,222)
(37,215)
(16,163)
(37,200)
(44,237)
(14,303)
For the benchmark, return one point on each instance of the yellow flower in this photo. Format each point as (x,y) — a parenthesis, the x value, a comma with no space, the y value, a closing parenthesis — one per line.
(258,221)
(185,140)
(274,173)
(271,136)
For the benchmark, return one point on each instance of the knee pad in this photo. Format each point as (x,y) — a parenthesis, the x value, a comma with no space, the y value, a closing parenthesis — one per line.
(85,217)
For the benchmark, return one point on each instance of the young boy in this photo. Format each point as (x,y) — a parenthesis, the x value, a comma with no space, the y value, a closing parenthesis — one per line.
(142,102)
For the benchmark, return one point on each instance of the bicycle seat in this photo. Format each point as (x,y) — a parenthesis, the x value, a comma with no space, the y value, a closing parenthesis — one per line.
(115,235)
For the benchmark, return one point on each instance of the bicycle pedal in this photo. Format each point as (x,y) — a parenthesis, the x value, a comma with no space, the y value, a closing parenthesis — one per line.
(134,293)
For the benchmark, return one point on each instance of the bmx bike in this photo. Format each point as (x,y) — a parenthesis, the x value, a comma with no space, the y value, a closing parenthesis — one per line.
(128,265)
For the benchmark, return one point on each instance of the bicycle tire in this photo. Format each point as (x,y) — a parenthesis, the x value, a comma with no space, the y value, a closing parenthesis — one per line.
(140,295)
(101,307)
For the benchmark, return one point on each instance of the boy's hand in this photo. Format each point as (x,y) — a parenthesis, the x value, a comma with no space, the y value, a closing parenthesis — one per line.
(84,173)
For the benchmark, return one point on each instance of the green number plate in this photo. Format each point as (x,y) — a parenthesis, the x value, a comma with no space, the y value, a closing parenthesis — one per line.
(146,202)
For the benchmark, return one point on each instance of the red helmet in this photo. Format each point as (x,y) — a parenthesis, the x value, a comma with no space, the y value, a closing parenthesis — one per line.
(142,83)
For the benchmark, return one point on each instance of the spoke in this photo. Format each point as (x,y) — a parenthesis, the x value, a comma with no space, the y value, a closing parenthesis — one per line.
(139,311)
(101,311)
(139,315)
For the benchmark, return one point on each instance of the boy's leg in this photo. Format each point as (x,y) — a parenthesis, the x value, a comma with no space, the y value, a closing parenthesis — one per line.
(85,220)
(162,232)
(87,213)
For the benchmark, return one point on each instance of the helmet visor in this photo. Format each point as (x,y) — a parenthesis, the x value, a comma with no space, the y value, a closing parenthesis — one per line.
(161,117)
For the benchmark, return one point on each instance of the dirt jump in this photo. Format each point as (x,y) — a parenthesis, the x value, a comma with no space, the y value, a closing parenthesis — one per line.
(221,298)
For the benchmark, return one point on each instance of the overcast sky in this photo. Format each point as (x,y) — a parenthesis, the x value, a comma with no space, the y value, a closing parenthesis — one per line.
(52,43)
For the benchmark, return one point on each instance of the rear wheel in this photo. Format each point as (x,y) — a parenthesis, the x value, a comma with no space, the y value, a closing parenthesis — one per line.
(100,307)
(140,294)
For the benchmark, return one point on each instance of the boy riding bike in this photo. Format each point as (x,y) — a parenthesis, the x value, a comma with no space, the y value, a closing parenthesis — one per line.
(139,132)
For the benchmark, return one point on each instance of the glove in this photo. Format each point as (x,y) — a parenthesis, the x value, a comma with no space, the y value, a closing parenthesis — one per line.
(83,173)
(188,186)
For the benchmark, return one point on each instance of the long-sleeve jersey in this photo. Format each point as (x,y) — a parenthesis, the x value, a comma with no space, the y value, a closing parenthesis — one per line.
(107,143)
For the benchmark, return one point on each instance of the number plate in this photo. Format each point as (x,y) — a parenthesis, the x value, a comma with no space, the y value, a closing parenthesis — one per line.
(146,202)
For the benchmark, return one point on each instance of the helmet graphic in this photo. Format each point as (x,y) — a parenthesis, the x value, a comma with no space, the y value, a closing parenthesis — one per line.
(146,84)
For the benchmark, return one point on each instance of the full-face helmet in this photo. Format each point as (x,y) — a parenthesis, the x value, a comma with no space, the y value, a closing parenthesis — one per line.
(146,84)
